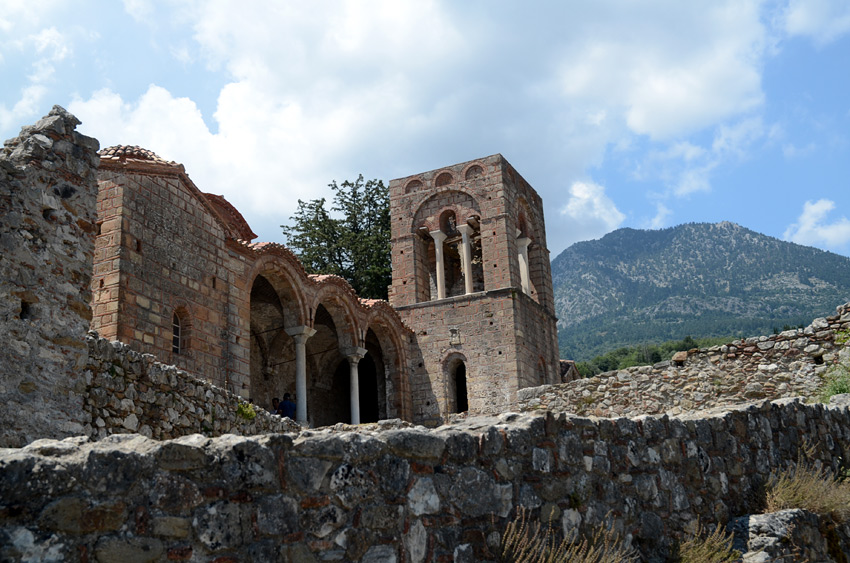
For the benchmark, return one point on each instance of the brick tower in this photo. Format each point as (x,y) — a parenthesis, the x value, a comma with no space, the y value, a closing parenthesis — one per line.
(471,277)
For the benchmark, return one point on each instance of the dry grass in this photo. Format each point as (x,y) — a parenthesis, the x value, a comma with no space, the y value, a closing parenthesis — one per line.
(810,489)
(712,548)
(524,542)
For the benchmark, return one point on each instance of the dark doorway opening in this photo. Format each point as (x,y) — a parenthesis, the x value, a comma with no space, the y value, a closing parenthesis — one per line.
(460,388)
(368,385)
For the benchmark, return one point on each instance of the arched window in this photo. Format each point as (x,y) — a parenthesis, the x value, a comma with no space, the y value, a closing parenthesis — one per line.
(176,334)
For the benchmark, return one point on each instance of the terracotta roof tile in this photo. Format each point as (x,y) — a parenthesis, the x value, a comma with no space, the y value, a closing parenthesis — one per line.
(126,152)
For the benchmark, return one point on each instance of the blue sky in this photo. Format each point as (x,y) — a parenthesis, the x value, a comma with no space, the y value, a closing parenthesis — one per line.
(619,113)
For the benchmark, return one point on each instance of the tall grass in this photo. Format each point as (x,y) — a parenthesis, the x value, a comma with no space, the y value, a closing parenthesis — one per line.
(525,542)
(715,547)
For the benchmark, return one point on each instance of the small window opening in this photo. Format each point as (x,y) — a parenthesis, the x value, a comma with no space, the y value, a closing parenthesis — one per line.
(98,228)
(213,282)
(138,245)
(100,283)
(175,334)
(26,310)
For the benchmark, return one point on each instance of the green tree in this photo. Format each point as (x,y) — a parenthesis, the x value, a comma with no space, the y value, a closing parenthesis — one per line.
(352,240)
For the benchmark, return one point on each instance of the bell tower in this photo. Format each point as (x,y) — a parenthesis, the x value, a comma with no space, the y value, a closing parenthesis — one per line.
(471,277)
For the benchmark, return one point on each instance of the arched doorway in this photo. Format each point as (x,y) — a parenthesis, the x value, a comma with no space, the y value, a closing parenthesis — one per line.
(456,384)
(272,359)
(461,400)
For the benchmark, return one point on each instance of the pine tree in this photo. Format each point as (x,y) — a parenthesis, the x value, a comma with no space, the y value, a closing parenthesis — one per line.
(351,241)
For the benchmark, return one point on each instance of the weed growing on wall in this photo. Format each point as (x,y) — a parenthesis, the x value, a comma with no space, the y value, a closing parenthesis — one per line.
(526,542)
(246,411)
(835,382)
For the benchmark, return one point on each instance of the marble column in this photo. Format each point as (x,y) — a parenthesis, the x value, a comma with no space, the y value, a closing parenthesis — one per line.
(354,356)
(522,246)
(300,334)
(439,237)
(466,256)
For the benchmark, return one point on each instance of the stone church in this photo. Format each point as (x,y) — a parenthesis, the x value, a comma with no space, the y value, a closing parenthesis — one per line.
(470,318)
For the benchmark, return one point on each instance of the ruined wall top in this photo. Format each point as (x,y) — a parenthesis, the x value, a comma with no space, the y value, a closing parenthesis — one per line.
(48,192)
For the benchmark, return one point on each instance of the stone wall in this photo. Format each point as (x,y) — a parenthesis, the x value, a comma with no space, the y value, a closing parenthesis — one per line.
(131,392)
(47,212)
(788,364)
(391,492)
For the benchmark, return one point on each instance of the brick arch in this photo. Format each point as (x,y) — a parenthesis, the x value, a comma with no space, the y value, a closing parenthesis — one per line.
(389,330)
(450,364)
(427,215)
(444,179)
(287,281)
(336,295)
(473,171)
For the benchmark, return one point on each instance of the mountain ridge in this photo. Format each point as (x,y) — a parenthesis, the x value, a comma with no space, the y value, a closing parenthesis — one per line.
(636,286)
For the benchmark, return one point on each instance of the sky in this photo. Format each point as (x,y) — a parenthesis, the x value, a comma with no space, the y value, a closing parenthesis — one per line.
(619,113)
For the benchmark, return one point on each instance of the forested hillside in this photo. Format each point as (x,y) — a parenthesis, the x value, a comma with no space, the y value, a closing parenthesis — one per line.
(700,279)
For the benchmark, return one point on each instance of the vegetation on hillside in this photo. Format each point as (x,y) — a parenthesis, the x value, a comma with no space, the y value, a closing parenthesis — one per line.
(635,286)
(644,354)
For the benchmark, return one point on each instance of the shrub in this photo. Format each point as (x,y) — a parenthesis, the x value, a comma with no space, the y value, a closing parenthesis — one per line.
(712,548)
(836,382)
(811,489)
(524,542)
(246,411)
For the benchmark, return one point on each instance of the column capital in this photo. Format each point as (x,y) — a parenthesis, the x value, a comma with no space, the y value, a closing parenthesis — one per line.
(438,235)
(354,353)
(465,229)
(303,331)
(523,242)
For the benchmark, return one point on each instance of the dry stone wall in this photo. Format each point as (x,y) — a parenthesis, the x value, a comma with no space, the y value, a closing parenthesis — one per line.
(47,212)
(131,392)
(392,492)
(789,364)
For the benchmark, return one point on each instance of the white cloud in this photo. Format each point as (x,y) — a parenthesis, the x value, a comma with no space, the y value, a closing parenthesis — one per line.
(668,68)
(589,212)
(51,48)
(821,20)
(790,150)
(813,229)
(660,219)
(736,140)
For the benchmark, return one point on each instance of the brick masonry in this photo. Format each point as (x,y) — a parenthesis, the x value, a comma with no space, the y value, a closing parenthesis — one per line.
(505,339)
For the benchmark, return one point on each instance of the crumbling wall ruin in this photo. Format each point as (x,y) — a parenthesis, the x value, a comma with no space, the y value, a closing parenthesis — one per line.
(47,205)
(392,492)
(789,364)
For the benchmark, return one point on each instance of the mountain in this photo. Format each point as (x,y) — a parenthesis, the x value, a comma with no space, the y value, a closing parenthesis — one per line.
(699,279)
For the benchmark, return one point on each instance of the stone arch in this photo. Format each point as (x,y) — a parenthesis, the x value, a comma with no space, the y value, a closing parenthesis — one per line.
(464,204)
(473,171)
(288,283)
(442,213)
(413,185)
(341,304)
(385,336)
(443,179)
